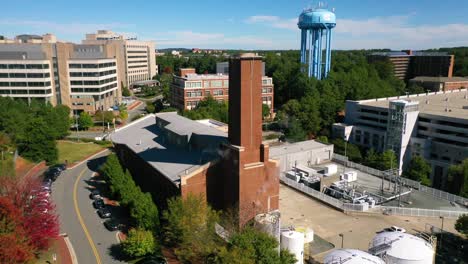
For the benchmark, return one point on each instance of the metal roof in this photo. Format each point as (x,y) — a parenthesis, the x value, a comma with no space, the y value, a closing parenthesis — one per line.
(288,148)
(439,79)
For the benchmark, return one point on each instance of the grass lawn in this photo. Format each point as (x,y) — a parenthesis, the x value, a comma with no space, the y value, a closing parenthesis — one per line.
(76,151)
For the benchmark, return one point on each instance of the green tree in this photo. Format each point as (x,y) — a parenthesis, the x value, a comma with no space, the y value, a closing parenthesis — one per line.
(139,243)
(38,142)
(265,111)
(144,212)
(323,139)
(190,227)
(352,151)
(462,224)
(415,89)
(125,91)
(150,108)
(253,246)
(295,132)
(104,116)
(458,178)
(85,121)
(388,160)
(419,170)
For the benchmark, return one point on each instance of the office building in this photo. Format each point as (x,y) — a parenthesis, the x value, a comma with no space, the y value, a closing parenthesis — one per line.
(189,88)
(409,64)
(436,84)
(431,125)
(83,77)
(136,59)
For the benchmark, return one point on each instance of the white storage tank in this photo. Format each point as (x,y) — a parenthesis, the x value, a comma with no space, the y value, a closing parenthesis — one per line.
(403,248)
(294,242)
(351,256)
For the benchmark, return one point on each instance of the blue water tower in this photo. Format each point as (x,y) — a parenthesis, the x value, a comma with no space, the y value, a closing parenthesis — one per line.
(316,23)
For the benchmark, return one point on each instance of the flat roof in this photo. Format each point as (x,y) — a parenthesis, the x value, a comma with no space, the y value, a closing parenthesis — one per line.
(439,79)
(289,148)
(431,103)
(144,138)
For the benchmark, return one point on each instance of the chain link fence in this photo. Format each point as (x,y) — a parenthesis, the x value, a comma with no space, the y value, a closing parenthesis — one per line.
(407,182)
(391,210)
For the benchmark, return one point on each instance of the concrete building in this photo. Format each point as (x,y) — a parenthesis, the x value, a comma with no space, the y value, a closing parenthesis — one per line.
(436,84)
(432,125)
(83,77)
(409,64)
(189,88)
(136,59)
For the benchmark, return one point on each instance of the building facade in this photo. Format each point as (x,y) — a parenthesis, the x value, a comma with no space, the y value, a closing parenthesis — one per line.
(431,125)
(189,88)
(136,59)
(409,64)
(435,84)
(83,77)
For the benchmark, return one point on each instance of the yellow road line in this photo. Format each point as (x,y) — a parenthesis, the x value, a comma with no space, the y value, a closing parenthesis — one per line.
(80,219)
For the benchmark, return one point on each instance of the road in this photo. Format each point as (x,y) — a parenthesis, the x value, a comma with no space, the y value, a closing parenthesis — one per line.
(91,241)
(140,109)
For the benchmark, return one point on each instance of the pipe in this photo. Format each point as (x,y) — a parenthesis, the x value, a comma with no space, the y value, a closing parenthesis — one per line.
(329,50)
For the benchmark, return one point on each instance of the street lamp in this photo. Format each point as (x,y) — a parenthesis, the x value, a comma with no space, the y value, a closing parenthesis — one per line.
(342,239)
(442,227)
(442,230)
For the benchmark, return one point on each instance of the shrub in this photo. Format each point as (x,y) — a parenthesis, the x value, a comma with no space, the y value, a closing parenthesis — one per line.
(139,243)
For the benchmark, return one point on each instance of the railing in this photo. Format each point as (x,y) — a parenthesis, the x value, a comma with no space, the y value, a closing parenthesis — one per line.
(407,182)
(311,192)
(391,210)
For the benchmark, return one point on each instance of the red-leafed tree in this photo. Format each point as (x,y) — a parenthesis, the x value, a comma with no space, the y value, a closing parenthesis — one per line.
(38,213)
(15,246)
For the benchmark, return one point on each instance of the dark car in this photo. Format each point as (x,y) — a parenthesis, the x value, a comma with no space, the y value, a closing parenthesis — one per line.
(52,173)
(111,225)
(60,167)
(95,194)
(104,212)
(98,203)
(153,260)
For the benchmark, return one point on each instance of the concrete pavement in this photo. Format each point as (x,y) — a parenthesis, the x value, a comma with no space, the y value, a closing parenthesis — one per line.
(91,241)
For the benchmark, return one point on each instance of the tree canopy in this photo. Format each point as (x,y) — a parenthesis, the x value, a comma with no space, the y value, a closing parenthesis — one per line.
(419,170)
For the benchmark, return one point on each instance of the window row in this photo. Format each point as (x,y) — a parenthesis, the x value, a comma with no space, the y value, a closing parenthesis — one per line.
(46,91)
(92,74)
(266,81)
(24,84)
(136,51)
(113,79)
(193,84)
(137,56)
(91,66)
(267,90)
(137,66)
(93,90)
(24,75)
(139,61)
(24,66)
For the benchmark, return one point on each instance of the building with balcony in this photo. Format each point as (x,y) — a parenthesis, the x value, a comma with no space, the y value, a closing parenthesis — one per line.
(136,59)
(189,88)
(408,64)
(431,125)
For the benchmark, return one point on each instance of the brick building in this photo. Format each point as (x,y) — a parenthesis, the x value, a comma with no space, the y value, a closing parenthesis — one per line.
(436,84)
(408,64)
(189,88)
(170,155)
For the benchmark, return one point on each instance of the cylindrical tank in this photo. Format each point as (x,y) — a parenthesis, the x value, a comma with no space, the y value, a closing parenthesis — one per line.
(404,248)
(317,18)
(269,223)
(294,242)
(351,256)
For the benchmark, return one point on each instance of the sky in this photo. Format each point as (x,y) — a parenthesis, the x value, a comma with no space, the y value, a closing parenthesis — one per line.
(244,24)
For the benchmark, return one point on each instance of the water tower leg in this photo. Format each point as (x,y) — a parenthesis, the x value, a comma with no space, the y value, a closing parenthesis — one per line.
(316,53)
(311,42)
(303,46)
(329,40)
(320,50)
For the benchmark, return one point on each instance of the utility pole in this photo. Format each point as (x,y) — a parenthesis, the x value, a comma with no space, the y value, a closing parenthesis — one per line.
(342,239)
(346,158)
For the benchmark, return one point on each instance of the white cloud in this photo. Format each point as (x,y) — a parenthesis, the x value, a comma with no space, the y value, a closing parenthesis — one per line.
(273,21)
(209,40)
(395,32)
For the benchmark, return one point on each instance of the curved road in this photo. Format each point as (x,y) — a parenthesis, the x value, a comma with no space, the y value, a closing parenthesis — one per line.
(91,241)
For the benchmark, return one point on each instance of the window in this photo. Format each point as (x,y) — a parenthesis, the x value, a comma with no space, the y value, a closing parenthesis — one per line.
(16,66)
(3,75)
(216,84)
(207,93)
(193,84)
(218,92)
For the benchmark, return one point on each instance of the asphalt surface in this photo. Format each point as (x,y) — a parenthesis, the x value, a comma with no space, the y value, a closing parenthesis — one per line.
(99,237)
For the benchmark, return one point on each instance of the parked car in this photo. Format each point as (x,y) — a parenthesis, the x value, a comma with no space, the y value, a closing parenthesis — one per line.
(52,174)
(153,260)
(104,212)
(95,194)
(98,203)
(60,166)
(111,225)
